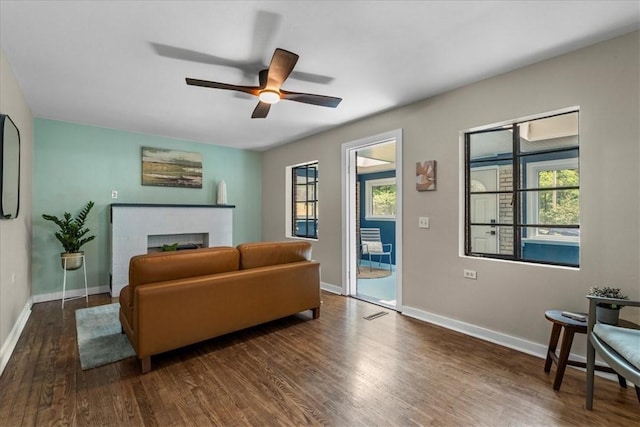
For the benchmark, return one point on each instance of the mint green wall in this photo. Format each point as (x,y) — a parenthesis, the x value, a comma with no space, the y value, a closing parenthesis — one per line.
(75,163)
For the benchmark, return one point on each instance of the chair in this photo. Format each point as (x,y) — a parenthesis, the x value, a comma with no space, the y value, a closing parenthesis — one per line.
(371,244)
(619,347)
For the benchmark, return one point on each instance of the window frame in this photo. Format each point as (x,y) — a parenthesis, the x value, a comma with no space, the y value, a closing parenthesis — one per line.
(313,202)
(368,197)
(518,191)
(533,208)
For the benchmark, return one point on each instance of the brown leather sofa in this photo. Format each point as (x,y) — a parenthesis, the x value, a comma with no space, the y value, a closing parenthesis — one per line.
(174,299)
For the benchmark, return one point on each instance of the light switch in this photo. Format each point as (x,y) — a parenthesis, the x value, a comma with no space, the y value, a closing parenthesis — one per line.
(423,222)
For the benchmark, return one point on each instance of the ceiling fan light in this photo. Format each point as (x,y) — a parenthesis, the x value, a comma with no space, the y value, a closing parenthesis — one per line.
(269,96)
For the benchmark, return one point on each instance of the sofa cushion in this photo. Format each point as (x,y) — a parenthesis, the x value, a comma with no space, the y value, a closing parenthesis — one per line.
(625,341)
(261,254)
(165,266)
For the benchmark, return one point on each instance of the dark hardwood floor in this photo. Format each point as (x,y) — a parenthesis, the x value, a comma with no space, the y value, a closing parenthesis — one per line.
(338,370)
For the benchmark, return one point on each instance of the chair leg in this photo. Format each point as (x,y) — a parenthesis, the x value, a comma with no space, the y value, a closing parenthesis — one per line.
(622,381)
(591,366)
(638,393)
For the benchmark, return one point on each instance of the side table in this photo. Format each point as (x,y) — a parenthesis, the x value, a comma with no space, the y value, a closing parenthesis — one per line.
(571,327)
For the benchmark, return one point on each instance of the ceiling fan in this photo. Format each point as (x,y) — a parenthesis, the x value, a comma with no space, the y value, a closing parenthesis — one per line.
(271,79)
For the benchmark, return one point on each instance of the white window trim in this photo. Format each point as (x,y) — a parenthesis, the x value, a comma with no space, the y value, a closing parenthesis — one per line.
(369,185)
(532,201)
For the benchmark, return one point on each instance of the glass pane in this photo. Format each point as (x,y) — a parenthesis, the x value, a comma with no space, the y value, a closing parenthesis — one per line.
(383,200)
(495,144)
(305,192)
(491,208)
(549,133)
(305,174)
(497,177)
(550,170)
(553,207)
(492,240)
(306,228)
(559,207)
(555,245)
(558,178)
(301,210)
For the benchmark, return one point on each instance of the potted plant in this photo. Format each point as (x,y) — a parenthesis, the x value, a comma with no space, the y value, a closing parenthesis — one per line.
(607,312)
(72,236)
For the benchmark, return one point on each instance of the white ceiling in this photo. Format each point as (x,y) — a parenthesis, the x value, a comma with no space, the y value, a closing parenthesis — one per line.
(122,64)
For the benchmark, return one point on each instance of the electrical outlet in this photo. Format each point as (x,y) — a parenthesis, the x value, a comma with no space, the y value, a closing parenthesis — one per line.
(470,274)
(13,278)
(114,194)
(423,222)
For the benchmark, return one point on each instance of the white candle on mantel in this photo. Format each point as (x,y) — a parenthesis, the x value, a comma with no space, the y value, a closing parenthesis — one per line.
(222,193)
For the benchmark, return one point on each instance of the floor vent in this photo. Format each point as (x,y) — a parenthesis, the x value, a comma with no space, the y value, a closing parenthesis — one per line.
(375,315)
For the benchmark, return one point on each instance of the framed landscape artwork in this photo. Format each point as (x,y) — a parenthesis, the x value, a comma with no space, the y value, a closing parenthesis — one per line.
(426,175)
(171,168)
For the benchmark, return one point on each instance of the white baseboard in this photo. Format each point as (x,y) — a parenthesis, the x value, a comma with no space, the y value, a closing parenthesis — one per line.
(70,294)
(10,344)
(515,343)
(331,288)
(522,345)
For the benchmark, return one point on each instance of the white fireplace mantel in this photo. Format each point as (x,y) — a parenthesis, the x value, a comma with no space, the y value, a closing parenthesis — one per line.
(133,223)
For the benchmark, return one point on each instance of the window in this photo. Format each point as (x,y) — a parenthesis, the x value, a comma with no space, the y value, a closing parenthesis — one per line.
(380,198)
(522,191)
(304,200)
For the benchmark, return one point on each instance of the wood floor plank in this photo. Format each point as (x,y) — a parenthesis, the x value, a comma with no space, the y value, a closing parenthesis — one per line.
(339,370)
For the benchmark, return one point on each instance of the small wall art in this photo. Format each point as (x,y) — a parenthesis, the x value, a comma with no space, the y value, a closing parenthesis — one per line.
(426,175)
(171,168)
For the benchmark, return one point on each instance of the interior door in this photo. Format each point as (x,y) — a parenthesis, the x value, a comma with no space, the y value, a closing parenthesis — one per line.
(484,209)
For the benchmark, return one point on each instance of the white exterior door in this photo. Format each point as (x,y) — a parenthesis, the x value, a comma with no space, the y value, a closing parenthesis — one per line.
(484,209)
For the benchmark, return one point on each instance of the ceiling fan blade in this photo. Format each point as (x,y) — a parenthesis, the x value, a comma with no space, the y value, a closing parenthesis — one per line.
(309,98)
(253,90)
(261,111)
(281,66)
(263,77)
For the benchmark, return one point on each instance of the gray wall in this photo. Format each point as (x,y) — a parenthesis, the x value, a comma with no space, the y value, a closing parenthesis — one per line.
(507,297)
(15,234)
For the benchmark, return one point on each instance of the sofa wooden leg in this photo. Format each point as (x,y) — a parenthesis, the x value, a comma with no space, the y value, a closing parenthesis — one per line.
(316,312)
(145,364)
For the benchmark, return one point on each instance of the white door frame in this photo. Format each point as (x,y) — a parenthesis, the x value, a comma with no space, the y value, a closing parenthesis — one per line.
(349,242)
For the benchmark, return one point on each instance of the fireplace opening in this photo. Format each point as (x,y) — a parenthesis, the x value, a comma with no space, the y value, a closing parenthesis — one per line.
(156,242)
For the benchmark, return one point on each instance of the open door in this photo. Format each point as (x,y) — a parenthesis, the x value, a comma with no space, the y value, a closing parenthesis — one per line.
(372,200)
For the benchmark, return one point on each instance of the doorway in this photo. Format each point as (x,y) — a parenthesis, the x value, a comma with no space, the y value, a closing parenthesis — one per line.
(372,203)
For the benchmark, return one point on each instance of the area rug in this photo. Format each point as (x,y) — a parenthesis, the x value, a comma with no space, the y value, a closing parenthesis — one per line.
(376,273)
(100,340)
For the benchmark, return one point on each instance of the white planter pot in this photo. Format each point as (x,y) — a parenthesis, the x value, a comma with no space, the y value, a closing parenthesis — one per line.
(74,260)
